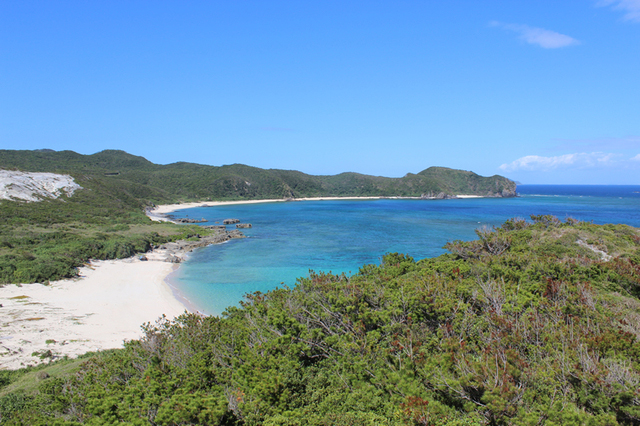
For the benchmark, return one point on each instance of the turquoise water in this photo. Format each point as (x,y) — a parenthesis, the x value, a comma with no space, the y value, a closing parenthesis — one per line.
(289,239)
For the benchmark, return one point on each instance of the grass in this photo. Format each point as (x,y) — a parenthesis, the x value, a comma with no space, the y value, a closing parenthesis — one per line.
(26,380)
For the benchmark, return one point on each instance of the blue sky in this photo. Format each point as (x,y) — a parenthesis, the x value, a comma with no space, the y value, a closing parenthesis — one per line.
(538,91)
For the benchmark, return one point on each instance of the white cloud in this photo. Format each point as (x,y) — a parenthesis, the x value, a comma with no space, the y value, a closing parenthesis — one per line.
(581,160)
(636,158)
(630,7)
(544,38)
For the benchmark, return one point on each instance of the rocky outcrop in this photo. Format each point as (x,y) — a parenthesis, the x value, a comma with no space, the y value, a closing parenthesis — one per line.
(230,221)
(437,196)
(25,186)
(214,227)
(172,259)
(185,220)
(507,193)
(176,249)
(243,225)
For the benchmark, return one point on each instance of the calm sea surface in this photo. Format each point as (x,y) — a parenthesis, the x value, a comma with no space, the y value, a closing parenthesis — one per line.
(289,239)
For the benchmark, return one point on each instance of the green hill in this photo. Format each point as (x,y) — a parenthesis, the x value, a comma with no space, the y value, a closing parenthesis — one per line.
(534,323)
(48,240)
(189,182)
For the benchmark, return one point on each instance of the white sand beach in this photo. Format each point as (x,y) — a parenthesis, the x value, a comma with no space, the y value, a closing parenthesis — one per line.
(159,213)
(105,306)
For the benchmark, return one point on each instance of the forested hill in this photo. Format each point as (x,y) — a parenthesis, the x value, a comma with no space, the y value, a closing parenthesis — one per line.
(188,181)
(48,240)
(534,323)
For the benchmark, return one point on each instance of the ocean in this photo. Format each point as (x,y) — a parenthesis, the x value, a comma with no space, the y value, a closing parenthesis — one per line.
(289,239)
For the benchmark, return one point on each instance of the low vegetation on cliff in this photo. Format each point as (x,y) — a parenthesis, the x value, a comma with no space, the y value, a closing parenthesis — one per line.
(535,322)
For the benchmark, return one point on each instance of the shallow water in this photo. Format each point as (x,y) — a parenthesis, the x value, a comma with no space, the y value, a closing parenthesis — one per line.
(289,239)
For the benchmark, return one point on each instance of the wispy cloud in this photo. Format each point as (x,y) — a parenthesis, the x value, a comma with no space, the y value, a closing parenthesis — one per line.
(636,158)
(581,160)
(539,36)
(631,8)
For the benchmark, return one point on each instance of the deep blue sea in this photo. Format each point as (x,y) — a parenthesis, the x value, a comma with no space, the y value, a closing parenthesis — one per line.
(289,239)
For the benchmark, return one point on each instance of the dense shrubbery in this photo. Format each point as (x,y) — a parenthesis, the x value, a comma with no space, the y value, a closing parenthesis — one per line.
(45,256)
(48,240)
(524,326)
(57,255)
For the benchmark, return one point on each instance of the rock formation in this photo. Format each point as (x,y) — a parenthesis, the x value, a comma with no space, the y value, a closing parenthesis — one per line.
(25,186)
(175,249)
(185,220)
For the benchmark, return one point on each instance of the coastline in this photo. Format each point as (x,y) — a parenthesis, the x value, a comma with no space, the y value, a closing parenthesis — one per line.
(101,309)
(159,213)
(107,304)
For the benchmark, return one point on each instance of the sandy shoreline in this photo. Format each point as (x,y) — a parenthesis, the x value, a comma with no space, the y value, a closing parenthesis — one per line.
(102,308)
(159,213)
(105,306)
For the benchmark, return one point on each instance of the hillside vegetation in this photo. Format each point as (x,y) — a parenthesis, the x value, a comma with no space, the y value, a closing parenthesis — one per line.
(48,240)
(190,182)
(534,323)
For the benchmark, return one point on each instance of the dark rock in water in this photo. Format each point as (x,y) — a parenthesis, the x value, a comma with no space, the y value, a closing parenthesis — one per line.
(230,221)
(507,193)
(184,220)
(235,234)
(243,225)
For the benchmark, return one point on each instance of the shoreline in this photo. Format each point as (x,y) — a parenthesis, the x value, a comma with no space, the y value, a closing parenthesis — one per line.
(107,304)
(159,213)
(190,306)
(101,309)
